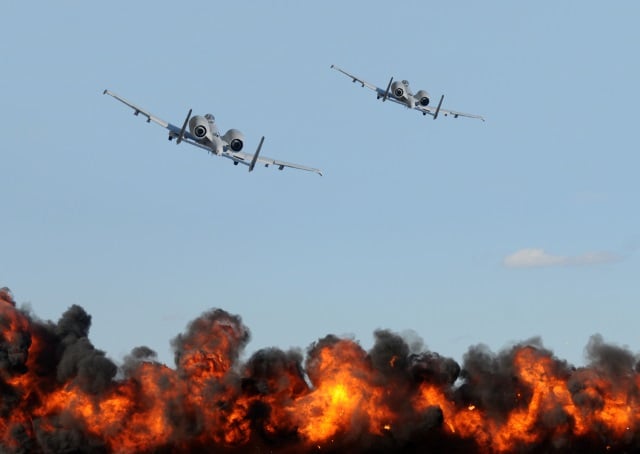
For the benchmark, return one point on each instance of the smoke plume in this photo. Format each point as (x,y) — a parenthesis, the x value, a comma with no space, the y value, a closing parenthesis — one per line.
(58,393)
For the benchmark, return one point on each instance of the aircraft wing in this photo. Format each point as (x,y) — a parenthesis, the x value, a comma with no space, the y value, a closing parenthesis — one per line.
(434,111)
(239,157)
(150,117)
(362,82)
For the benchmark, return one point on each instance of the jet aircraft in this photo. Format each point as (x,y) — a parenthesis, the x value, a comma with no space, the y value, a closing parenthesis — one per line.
(203,133)
(400,93)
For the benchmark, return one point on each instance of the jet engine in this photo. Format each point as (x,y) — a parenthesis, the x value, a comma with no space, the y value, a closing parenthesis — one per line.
(234,138)
(423,98)
(398,89)
(200,127)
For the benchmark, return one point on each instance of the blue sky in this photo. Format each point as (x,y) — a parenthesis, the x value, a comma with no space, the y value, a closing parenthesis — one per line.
(459,231)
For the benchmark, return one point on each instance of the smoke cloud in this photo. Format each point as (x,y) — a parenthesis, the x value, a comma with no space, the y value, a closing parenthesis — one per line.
(58,393)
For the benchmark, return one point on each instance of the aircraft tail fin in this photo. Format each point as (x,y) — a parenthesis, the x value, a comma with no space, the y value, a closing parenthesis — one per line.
(435,115)
(386,93)
(255,156)
(184,127)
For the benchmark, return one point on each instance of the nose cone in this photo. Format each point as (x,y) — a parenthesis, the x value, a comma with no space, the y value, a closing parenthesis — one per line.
(216,145)
(410,101)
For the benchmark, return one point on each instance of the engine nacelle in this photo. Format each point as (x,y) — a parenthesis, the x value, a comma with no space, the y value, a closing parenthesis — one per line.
(399,89)
(201,128)
(234,138)
(423,98)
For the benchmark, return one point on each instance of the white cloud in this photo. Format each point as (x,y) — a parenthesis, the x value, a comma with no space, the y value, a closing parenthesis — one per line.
(536,258)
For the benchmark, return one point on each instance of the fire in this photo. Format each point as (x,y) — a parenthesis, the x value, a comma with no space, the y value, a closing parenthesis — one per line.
(345,397)
(59,393)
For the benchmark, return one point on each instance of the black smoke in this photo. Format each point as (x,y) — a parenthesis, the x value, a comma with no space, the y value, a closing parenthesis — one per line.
(39,357)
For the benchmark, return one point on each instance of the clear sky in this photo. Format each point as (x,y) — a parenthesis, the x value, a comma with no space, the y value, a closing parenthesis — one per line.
(460,231)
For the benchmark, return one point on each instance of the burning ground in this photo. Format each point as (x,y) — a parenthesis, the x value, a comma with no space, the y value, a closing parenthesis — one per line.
(58,393)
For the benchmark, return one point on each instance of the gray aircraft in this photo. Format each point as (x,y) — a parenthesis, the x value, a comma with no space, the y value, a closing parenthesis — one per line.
(400,93)
(204,134)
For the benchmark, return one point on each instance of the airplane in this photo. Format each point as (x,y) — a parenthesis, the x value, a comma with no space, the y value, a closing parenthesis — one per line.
(400,93)
(204,134)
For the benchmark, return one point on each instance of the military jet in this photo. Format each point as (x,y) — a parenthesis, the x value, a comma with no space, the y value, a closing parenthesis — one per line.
(400,93)
(203,133)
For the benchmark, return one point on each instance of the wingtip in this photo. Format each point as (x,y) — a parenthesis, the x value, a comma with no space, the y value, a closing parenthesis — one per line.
(105,91)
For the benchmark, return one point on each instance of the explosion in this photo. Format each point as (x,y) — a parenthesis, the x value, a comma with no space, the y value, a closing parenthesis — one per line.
(58,393)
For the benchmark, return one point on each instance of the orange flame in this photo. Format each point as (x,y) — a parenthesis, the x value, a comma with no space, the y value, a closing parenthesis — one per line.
(344,399)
